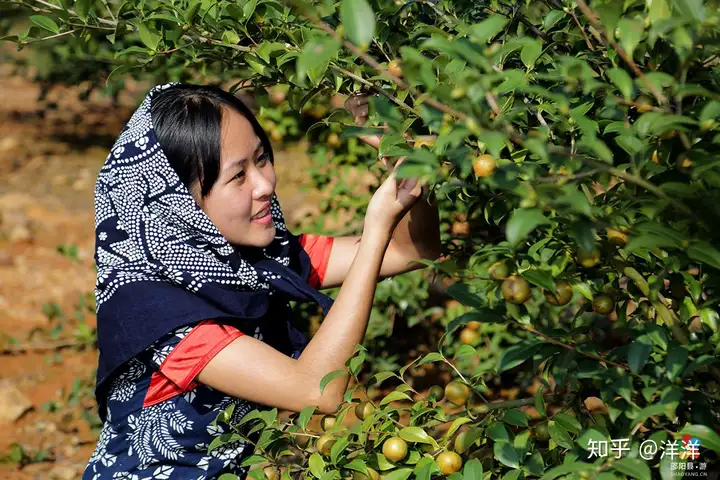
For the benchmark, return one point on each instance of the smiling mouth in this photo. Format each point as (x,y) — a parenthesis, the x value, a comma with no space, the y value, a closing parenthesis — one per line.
(262,214)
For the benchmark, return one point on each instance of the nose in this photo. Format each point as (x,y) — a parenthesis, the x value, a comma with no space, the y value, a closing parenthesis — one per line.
(263,184)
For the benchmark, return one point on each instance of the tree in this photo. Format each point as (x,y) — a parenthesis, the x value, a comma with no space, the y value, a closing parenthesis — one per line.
(578,139)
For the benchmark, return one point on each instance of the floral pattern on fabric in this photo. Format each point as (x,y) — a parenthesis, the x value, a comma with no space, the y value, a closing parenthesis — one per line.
(168,440)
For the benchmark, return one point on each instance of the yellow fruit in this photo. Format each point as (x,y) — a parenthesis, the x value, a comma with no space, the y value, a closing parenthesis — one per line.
(515,289)
(484,166)
(276,135)
(468,336)
(333,140)
(563,294)
(588,259)
(435,392)
(302,441)
(542,433)
(271,473)
(327,422)
(457,393)
(324,444)
(498,271)
(276,97)
(364,410)
(394,68)
(449,462)
(616,237)
(683,162)
(603,304)
(395,449)
(473,325)
(423,142)
(361,476)
(643,104)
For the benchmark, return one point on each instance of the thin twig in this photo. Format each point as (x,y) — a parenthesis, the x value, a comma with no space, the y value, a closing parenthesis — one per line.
(80,25)
(377,89)
(590,15)
(109,10)
(571,348)
(57,35)
(577,22)
(72,12)
(561,178)
(520,402)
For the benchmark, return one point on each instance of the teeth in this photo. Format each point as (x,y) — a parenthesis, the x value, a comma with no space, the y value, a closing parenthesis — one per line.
(262,214)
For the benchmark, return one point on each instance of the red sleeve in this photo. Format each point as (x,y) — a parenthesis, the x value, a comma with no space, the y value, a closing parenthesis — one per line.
(318,249)
(177,373)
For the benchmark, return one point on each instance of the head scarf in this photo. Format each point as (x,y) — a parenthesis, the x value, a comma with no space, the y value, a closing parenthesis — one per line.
(163,264)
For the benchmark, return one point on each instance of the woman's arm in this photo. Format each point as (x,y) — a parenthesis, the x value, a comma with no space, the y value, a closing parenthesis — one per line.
(251,369)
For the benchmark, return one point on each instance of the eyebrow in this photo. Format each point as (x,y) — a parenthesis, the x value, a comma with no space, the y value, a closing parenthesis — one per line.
(242,161)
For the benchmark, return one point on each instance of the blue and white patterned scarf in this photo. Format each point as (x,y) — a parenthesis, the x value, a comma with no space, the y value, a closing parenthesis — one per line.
(161,261)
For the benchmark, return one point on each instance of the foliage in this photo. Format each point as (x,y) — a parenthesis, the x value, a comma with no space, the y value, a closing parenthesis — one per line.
(601,123)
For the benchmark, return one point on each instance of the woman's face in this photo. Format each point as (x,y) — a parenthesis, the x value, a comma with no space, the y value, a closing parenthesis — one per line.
(244,186)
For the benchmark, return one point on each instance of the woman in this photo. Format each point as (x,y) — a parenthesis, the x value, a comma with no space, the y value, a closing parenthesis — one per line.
(195,271)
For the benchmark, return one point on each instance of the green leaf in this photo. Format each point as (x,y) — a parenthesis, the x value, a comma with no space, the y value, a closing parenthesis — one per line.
(418,435)
(639,352)
(330,377)
(530,52)
(568,422)
(46,23)
(513,356)
(708,438)
(541,278)
(253,460)
(691,9)
(621,79)
(675,361)
(516,417)
(482,32)
(575,467)
(630,144)
(497,432)
(588,435)
(305,416)
(358,19)
(82,7)
(540,402)
(551,18)
(630,32)
(393,397)
(506,454)
(457,423)
(191,11)
(633,467)
(230,37)
(522,222)
(705,253)
(315,58)
(461,293)
(560,435)
(150,39)
(430,358)
(317,465)
(473,470)
(399,474)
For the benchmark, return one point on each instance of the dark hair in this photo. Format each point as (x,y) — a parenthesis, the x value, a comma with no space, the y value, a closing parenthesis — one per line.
(187,121)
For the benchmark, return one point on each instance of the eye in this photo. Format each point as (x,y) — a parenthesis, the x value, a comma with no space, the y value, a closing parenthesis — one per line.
(264,158)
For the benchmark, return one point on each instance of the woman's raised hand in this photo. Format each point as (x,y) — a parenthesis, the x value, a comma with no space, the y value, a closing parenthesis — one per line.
(392,201)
